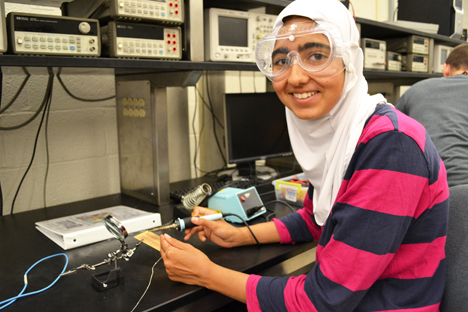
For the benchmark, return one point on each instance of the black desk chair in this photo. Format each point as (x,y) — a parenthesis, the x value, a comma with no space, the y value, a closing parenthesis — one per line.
(456,251)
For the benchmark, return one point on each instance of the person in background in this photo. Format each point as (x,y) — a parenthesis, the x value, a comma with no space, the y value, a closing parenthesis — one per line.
(441,106)
(378,197)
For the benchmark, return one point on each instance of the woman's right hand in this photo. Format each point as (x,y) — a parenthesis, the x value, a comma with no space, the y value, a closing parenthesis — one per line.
(219,232)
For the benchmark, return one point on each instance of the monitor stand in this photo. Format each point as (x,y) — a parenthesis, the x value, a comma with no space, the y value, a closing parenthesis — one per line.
(246,169)
(249,171)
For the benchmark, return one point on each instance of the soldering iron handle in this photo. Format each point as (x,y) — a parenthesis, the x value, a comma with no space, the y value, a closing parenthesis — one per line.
(186,223)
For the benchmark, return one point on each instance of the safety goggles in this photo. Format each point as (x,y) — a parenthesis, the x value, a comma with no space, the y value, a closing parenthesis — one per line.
(312,45)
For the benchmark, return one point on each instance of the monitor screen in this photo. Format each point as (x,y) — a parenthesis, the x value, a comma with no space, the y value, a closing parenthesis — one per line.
(233,32)
(255,127)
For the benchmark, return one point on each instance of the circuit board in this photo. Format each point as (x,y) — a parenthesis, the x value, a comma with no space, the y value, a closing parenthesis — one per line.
(150,239)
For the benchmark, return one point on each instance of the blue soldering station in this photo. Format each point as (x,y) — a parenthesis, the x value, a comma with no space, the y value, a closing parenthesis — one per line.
(245,203)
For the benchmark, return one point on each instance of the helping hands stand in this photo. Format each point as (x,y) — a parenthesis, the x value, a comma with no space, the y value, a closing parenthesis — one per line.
(114,277)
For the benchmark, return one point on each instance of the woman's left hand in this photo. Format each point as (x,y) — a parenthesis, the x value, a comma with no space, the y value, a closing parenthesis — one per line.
(184,263)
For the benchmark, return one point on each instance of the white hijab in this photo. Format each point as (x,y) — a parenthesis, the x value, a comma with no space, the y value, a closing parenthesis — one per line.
(324,146)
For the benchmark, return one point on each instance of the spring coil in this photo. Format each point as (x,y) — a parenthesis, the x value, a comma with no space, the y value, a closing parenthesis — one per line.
(196,196)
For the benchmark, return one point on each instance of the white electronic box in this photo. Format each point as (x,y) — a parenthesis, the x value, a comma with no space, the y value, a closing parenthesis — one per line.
(441,52)
(231,36)
(3,31)
(134,40)
(393,61)
(161,11)
(53,35)
(410,44)
(415,63)
(374,53)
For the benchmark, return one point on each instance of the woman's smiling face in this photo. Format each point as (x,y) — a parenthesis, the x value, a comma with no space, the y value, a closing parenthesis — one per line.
(309,95)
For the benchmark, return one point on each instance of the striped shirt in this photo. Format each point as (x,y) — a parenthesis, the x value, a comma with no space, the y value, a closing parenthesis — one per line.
(383,245)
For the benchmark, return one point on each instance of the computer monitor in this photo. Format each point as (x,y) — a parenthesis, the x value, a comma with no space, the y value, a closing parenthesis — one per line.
(448,14)
(255,129)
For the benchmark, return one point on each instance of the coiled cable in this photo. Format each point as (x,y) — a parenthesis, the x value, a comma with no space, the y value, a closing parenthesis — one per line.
(196,196)
(22,294)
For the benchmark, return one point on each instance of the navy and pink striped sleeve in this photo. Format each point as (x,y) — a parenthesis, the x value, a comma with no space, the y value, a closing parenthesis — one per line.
(390,214)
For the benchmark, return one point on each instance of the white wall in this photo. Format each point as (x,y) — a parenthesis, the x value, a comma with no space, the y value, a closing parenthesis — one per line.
(465,15)
(82,136)
(364,8)
(82,139)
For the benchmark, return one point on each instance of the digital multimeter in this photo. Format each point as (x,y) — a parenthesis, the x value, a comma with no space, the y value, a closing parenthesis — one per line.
(135,40)
(158,11)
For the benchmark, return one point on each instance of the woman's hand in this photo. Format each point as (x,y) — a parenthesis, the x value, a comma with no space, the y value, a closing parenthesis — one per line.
(184,263)
(219,232)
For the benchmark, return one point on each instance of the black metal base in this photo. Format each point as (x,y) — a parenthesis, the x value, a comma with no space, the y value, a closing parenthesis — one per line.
(108,280)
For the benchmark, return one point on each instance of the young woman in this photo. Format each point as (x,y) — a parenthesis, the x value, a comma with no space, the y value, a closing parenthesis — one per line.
(378,200)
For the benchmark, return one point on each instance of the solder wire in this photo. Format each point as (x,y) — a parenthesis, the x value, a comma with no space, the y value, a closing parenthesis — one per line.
(151,277)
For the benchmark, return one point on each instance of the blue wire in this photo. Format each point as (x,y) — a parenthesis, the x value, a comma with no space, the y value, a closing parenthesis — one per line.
(21,294)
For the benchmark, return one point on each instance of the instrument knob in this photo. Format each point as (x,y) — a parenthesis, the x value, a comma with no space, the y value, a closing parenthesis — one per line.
(84,27)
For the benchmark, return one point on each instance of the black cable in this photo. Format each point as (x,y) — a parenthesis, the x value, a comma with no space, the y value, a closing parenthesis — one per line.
(1,200)
(201,130)
(46,134)
(281,202)
(289,171)
(268,216)
(28,75)
(245,222)
(209,108)
(214,123)
(44,100)
(76,97)
(195,134)
(272,214)
(47,98)
(216,171)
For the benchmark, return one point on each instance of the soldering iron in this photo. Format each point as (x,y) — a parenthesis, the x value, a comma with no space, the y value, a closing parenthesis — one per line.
(186,223)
